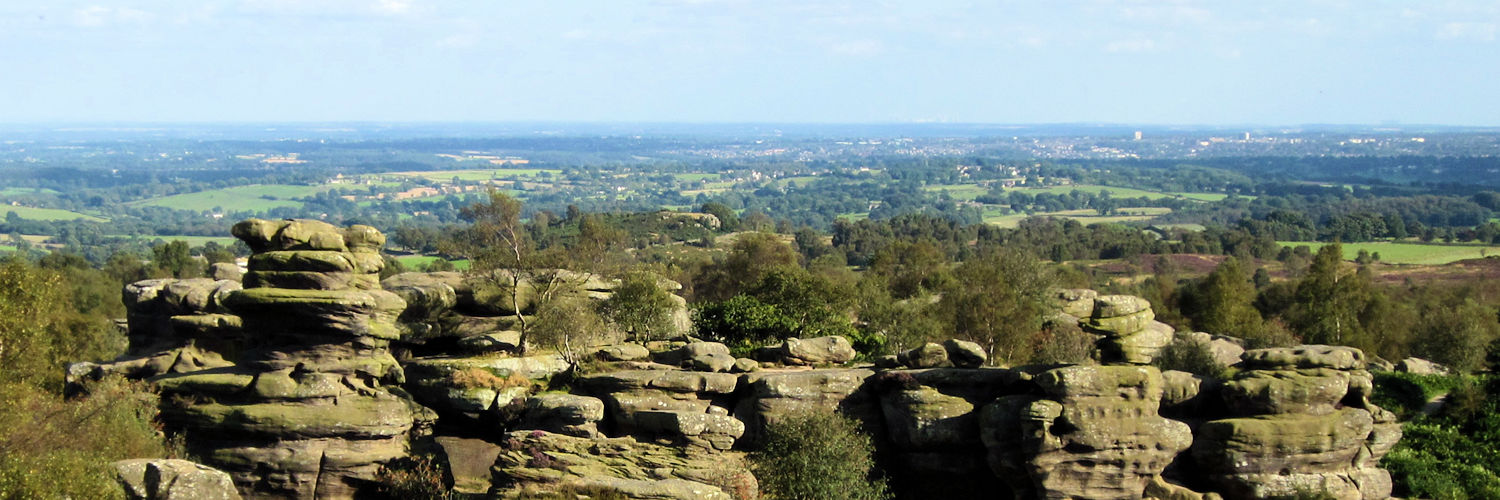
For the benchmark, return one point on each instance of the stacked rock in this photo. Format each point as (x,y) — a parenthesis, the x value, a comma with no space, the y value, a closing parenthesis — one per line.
(174,326)
(306,412)
(1131,333)
(1093,433)
(1303,423)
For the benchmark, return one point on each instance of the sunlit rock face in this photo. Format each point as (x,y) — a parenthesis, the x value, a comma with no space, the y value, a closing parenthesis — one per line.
(1302,421)
(305,412)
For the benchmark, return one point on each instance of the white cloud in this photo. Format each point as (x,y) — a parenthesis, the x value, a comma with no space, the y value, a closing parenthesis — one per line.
(1478,32)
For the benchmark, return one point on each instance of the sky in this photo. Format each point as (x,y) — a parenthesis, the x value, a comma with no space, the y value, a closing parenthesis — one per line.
(734,61)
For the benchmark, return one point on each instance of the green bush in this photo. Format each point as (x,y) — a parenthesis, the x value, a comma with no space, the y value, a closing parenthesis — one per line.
(56,448)
(1190,356)
(817,456)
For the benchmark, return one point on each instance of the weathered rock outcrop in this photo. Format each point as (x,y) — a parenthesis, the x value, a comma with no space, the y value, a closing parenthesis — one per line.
(682,407)
(483,390)
(1090,432)
(1302,422)
(174,326)
(538,462)
(307,411)
(1131,334)
(169,479)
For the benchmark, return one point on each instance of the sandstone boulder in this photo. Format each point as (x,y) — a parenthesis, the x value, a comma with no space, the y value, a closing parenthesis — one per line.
(568,414)
(965,354)
(541,463)
(170,479)
(833,349)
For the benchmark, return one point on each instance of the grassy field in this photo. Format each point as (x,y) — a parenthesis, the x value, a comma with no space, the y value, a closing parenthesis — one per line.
(854,216)
(1085,216)
(1209,197)
(7,248)
(196,241)
(695,177)
(253,197)
(959,191)
(478,174)
(17,191)
(1115,192)
(46,214)
(1408,253)
(412,262)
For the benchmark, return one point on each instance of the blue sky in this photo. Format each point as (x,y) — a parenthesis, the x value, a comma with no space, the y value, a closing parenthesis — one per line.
(1157,62)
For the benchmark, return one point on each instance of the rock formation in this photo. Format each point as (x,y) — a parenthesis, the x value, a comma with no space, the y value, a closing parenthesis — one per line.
(308,410)
(290,387)
(174,326)
(1131,334)
(1302,421)
(539,462)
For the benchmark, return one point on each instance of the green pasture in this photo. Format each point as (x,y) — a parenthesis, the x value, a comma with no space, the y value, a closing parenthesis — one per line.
(853,216)
(959,191)
(1083,216)
(47,214)
(412,262)
(1408,253)
(196,241)
(800,180)
(254,197)
(21,191)
(694,177)
(7,248)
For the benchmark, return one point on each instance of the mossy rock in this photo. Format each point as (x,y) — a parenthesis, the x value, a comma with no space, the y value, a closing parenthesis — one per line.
(1271,444)
(318,261)
(1311,391)
(349,418)
(1113,306)
(1130,383)
(1117,326)
(1305,356)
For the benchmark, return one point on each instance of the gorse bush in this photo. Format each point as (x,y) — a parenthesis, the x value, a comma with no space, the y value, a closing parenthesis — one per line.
(817,456)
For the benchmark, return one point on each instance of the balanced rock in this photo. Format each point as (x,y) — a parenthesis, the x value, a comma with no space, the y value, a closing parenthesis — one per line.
(1131,334)
(929,355)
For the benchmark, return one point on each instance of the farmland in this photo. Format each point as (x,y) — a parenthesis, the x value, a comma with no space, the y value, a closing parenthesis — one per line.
(1086,217)
(1408,253)
(254,197)
(48,214)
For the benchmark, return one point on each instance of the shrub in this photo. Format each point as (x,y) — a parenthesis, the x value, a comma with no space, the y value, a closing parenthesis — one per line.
(1189,356)
(473,378)
(418,477)
(56,448)
(817,456)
